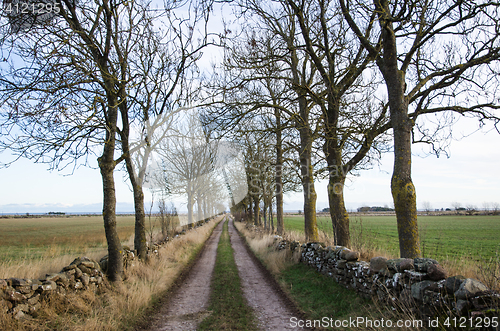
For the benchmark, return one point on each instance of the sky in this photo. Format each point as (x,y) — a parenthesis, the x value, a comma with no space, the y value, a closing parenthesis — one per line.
(469,176)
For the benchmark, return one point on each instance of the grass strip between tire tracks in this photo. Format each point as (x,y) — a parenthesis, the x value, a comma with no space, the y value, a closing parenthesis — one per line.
(227,303)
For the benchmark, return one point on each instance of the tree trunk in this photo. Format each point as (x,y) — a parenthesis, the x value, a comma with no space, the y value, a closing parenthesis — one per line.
(107,166)
(206,213)
(136,182)
(338,213)
(140,223)
(264,212)
(336,172)
(307,176)
(403,190)
(249,209)
(162,211)
(280,226)
(306,171)
(140,214)
(305,149)
(256,211)
(271,221)
(200,209)
(190,207)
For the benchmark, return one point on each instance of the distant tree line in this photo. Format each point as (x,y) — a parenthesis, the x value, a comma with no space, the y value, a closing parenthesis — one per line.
(374,208)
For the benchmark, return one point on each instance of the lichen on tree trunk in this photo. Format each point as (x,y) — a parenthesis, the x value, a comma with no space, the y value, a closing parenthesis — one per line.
(403,193)
(338,213)
(403,190)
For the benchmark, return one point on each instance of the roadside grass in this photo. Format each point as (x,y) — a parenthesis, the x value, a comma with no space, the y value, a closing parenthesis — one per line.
(118,306)
(330,306)
(326,304)
(227,303)
(321,296)
(34,268)
(465,245)
(32,247)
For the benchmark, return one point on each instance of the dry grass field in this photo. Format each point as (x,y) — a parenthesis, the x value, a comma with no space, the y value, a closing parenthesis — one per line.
(31,247)
(115,307)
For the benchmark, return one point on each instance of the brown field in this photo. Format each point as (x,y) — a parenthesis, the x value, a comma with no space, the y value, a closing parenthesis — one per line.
(52,241)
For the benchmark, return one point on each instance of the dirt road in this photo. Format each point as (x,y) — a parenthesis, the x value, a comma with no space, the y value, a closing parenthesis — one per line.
(187,307)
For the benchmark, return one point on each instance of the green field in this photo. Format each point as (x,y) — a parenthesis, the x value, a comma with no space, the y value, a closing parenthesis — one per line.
(32,238)
(442,237)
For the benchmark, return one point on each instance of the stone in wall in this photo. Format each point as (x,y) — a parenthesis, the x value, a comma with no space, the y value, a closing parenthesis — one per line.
(378,263)
(281,244)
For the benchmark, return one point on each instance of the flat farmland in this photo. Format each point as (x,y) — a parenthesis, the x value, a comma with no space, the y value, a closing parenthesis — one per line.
(447,237)
(49,237)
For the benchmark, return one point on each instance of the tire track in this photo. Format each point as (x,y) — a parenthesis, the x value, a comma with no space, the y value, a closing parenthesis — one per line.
(270,308)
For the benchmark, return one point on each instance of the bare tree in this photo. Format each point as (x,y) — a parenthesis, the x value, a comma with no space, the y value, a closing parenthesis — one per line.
(64,86)
(165,69)
(457,206)
(189,166)
(486,207)
(81,70)
(434,57)
(320,74)
(353,125)
(279,72)
(470,209)
(495,207)
(168,217)
(151,65)
(427,207)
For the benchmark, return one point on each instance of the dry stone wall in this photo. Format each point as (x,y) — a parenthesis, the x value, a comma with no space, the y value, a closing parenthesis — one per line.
(420,285)
(22,297)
